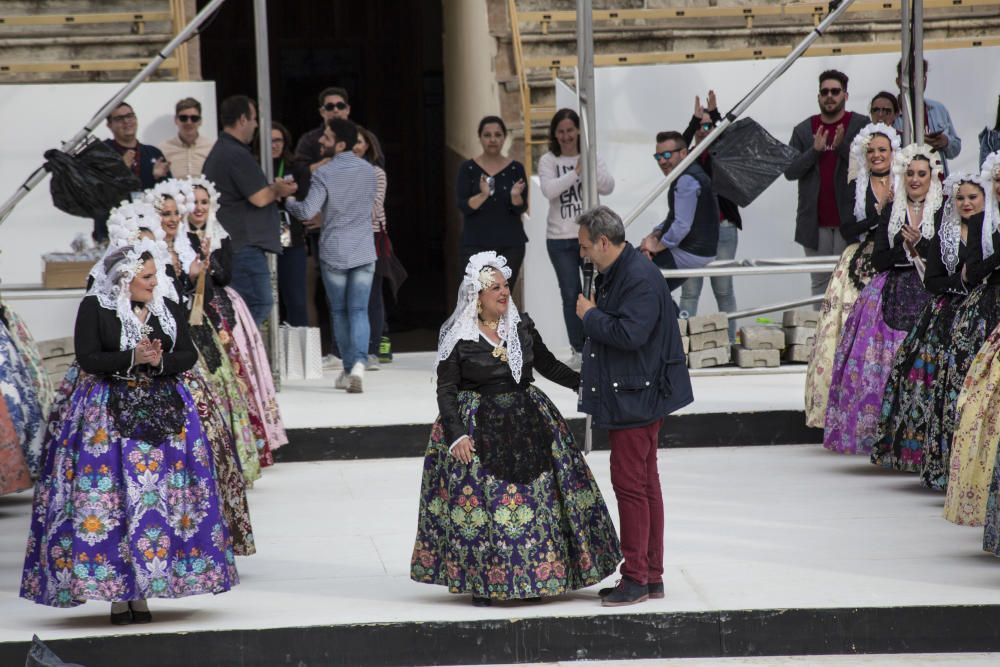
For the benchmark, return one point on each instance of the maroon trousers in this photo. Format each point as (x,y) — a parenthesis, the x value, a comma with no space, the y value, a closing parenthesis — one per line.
(636,483)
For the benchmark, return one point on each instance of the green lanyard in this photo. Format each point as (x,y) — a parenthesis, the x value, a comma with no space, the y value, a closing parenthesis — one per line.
(281,169)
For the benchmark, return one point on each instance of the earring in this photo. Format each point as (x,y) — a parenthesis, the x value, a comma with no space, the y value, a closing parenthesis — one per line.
(479,307)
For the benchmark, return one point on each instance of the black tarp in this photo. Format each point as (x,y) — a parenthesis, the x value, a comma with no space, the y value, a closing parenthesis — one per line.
(90,182)
(746,160)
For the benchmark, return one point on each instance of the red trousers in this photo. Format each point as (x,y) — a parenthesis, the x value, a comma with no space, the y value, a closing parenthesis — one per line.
(636,483)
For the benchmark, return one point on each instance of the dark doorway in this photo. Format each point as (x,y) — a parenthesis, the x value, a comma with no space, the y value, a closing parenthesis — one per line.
(387,54)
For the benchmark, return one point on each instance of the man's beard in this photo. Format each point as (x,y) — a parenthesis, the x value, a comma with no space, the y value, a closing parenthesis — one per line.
(326,151)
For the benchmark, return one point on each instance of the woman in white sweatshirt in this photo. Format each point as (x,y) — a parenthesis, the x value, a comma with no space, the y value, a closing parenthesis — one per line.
(560,172)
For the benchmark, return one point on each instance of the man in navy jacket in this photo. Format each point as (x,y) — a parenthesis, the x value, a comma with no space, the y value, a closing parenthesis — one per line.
(633,375)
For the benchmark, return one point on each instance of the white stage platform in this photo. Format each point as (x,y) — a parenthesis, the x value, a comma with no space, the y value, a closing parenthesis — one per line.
(747,528)
(403,393)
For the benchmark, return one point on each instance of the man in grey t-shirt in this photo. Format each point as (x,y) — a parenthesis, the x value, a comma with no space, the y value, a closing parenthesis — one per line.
(247,204)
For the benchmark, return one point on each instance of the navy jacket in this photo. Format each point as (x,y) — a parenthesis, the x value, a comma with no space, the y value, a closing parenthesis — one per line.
(633,363)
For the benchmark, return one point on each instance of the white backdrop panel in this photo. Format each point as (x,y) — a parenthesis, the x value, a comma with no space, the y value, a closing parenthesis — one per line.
(633,103)
(39,117)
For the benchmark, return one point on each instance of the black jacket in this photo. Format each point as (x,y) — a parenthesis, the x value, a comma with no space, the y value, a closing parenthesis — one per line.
(633,363)
(937,280)
(885,257)
(852,229)
(472,366)
(981,269)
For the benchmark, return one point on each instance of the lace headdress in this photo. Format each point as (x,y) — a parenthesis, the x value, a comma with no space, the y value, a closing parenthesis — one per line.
(900,213)
(182,194)
(126,223)
(119,266)
(213,228)
(463,323)
(857,169)
(951,224)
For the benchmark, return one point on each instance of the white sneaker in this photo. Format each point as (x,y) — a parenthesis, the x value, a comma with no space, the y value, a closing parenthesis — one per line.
(373,364)
(575,361)
(356,378)
(342,381)
(330,362)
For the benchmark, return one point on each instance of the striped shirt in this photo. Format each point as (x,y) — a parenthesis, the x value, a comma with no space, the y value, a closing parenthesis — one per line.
(378,209)
(344,190)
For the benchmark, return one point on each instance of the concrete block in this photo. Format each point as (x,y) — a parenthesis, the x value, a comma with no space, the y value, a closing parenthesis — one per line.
(801,317)
(762,338)
(702,323)
(682,325)
(757,358)
(708,340)
(715,356)
(798,354)
(58,365)
(686,344)
(56,347)
(799,336)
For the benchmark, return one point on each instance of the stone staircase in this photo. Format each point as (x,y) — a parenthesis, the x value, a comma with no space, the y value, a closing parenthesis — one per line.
(63,41)
(690,34)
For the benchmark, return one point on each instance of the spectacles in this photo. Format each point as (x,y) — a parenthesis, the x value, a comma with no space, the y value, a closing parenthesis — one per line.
(189,118)
(124,118)
(706,126)
(278,140)
(665,155)
(330,106)
(825,92)
(882,110)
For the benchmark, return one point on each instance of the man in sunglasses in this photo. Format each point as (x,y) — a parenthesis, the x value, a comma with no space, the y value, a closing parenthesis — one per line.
(689,236)
(186,152)
(146,162)
(823,142)
(332,104)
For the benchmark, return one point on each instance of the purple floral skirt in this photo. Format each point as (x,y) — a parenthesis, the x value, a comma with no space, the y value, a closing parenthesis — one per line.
(864,359)
(119,518)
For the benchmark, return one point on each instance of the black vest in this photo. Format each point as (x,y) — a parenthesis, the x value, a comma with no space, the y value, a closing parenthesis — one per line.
(703,237)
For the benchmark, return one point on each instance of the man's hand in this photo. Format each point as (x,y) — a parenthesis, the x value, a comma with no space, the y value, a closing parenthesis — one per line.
(698,111)
(838,137)
(650,245)
(819,139)
(938,140)
(285,188)
(583,304)
(160,168)
(464,450)
(129,157)
(712,104)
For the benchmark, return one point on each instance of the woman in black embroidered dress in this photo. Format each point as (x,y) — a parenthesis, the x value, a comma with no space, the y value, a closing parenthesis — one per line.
(508,506)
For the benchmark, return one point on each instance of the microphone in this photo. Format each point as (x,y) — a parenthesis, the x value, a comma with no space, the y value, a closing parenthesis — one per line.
(588,277)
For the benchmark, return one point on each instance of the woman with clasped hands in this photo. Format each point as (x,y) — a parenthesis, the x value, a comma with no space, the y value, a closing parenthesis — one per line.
(509,509)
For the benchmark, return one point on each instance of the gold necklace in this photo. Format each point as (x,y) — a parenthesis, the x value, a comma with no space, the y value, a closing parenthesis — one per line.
(490,324)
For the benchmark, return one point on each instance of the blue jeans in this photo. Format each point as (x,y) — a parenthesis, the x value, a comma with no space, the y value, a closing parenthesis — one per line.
(347,293)
(292,285)
(252,279)
(722,286)
(565,257)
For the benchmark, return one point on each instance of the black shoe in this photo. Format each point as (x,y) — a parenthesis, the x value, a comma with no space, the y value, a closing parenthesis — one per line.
(481,602)
(625,593)
(655,591)
(121,618)
(140,616)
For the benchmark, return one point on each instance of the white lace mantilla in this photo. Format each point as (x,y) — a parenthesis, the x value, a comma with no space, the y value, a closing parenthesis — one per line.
(857,167)
(464,321)
(900,212)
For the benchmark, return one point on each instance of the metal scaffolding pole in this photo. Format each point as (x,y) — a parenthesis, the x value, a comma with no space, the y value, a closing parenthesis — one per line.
(904,72)
(919,125)
(836,11)
(267,165)
(588,149)
(74,142)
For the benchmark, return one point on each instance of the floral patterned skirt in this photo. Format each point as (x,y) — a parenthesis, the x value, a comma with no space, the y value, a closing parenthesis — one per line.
(863,362)
(31,356)
(14,475)
(21,394)
(915,395)
(979,314)
(119,519)
(231,487)
(837,301)
(991,523)
(972,462)
(228,396)
(483,533)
